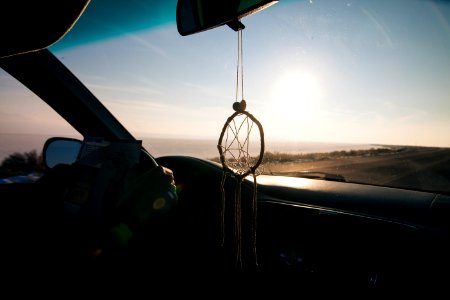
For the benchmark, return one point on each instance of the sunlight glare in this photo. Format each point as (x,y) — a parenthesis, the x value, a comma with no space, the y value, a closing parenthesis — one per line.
(295,101)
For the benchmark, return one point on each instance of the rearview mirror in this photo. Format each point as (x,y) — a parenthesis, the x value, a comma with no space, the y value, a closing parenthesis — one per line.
(199,15)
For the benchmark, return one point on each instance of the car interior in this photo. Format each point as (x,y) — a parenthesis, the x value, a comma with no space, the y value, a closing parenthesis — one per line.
(300,234)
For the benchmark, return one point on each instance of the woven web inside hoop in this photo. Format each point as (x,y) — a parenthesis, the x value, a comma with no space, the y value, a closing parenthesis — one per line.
(241,144)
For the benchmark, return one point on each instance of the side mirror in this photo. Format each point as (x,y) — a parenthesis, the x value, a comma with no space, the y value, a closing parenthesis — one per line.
(199,15)
(60,151)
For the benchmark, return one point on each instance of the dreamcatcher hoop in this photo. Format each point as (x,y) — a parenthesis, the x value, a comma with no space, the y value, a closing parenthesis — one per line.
(223,150)
(239,167)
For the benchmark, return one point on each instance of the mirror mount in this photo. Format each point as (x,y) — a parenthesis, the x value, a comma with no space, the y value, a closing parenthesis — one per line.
(236,25)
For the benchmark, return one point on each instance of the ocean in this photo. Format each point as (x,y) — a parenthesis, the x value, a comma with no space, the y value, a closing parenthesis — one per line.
(202,148)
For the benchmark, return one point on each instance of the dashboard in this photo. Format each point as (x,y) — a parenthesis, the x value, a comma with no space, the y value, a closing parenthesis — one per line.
(319,234)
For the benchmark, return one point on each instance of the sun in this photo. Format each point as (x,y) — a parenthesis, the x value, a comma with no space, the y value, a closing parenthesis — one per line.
(294,104)
(293,110)
(296,94)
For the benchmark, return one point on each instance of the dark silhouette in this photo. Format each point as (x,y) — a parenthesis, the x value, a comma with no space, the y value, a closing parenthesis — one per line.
(21,164)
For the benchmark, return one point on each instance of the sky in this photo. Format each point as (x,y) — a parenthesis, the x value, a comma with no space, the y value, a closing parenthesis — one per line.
(327,71)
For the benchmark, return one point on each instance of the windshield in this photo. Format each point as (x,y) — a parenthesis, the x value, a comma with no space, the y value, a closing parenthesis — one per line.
(353,90)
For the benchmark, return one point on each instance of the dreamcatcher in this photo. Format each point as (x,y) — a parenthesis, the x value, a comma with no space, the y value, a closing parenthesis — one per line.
(241,149)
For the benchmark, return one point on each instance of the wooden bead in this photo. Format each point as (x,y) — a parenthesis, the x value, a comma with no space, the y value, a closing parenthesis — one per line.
(240,106)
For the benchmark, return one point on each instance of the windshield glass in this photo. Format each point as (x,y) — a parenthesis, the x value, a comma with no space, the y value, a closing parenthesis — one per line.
(345,90)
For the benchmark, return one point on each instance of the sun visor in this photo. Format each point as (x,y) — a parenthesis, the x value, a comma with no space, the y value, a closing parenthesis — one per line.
(27,26)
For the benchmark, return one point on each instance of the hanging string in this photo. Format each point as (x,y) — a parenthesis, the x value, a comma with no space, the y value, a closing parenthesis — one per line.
(240,67)
(255,217)
(237,221)
(222,211)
